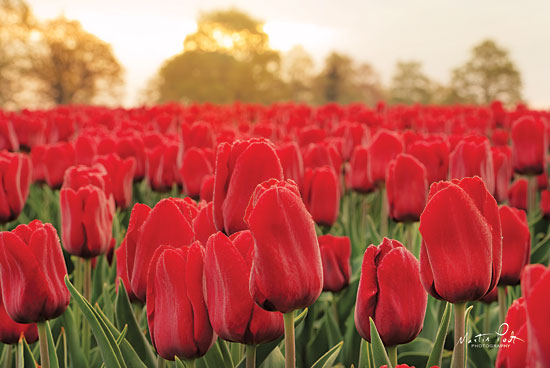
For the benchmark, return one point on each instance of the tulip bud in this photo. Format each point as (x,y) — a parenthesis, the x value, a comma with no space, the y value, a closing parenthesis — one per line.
(516,244)
(15,173)
(335,255)
(32,269)
(390,292)
(322,194)
(287,271)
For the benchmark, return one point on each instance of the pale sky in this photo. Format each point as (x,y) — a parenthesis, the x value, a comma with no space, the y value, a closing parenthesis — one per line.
(439,33)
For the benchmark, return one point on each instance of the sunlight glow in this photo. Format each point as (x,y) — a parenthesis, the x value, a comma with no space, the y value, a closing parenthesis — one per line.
(284,35)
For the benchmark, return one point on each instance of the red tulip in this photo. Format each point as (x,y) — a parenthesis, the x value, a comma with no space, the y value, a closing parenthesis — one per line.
(32,269)
(203,223)
(168,223)
(516,244)
(292,162)
(161,170)
(122,272)
(240,167)
(198,135)
(287,271)
(322,194)
(233,314)
(517,194)
(357,177)
(8,138)
(513,345)
(54,161)
(407,188)
(353,135)
(390,292)
(176,310)
(385,146)
(529,146)
(207,188)
(335,255)
(131,145)
(434,154)
(472,157)
(121,173)
(15,179)
(322,154)
(197,164)
(85,150)
(11,331)
(460,256)
(545,203)
(502,164)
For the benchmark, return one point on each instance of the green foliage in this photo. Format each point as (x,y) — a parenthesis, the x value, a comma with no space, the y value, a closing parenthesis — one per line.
(410,85)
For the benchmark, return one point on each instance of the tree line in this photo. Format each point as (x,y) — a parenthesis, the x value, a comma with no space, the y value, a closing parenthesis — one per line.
(227,59)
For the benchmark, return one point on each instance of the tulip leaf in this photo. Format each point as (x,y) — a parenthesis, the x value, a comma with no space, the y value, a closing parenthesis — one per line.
(300,317)
(73,344)
(125,316)
(107,302)
(54,363)
(226,355)
(61,349)
(329,357)
(437,351)
(179,363)
(106,348)
(378,351)
(25,355)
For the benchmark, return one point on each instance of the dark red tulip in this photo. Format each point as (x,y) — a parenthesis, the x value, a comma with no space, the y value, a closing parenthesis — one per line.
(203,223)
(535,284)
(529,146)
(502,163)
(176,309)
(513,347)
(390,292)
(491,297)
(240,167)
(545,203)
(517,194)
(233,314)
(516,244)
(434,154)
(461,252)
(322,194)
(292,162)
(357,176)
(11,331)
(406,188)
(121,173)
(207,188)
(32,269)
(472,157)
(542,181)
(385,146)
(87,209)
(197,164)
(335,254)
(287,271)
(168,223)
(15,175)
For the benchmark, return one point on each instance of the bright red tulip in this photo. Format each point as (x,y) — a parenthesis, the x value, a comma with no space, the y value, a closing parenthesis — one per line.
(11,331)
(545,203)
(529,146)
(390,292)
(121,173)
(472,157)
(322,194)
(502,163)
(434,154)
(32,269)
(176,309)
(287,271)
(517,194)
(203,223)
(516,244)
(240,167)
(406,188)
(513,346)
(207,188)
(161,170)
(335,255)
(53,162)
(197,164)
(461,252)
(122,272)
(357,177)
(385,146)
(292,162)
(15,179)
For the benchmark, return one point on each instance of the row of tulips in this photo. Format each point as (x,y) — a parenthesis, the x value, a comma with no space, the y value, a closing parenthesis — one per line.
(275,225)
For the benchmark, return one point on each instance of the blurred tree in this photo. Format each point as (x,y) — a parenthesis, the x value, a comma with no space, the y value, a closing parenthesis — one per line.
(16,25)
(344,82)
(74,66)
(297,72)
(410,85)
(227,59)
(488,75)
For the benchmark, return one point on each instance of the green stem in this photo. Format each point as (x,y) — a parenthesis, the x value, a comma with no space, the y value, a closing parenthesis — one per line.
(290,355)
(190,363)
(502,304)
(43,340)
(161,363)
(251,356)
(392,354)
(532,195)
(487,318)
(87,271)
(7,356)
(458,352)
(383,212)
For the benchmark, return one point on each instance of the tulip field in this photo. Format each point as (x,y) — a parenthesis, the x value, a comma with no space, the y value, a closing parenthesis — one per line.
(221,236)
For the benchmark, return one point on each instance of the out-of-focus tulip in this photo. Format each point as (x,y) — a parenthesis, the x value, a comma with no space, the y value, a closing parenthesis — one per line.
(85,150)
(168,223)
(122,272)
(233,314)
(292,162)
(500,137)
(287,271)
(240,167)
(15,179)
(176,310)
(322,154)
(161,170)
(335,254)
(196,165)
(516,244)
(434,154)
(207,188)
(542,181)
(198,135)
(545,203)
(322,194)
(10,331)
(406,188)
(390,292)
(461,252)
(502,163)
(32,269)
(8,138)
(357,177)
(472,157)
(517,194)
(121,173)
(54,160)
(529,146)
(203,223)
(385,146)
(513,347)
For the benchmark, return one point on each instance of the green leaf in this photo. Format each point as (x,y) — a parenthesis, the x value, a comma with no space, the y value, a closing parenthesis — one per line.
(61,349)
(300,317)
(333,330)
(179,363)
(73,344)
(106,348)
(213,358)
(107,302)
(227,361)
(54,363)
(125,316)
(378,351)
(330,356)
(437,351)
(25,355)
